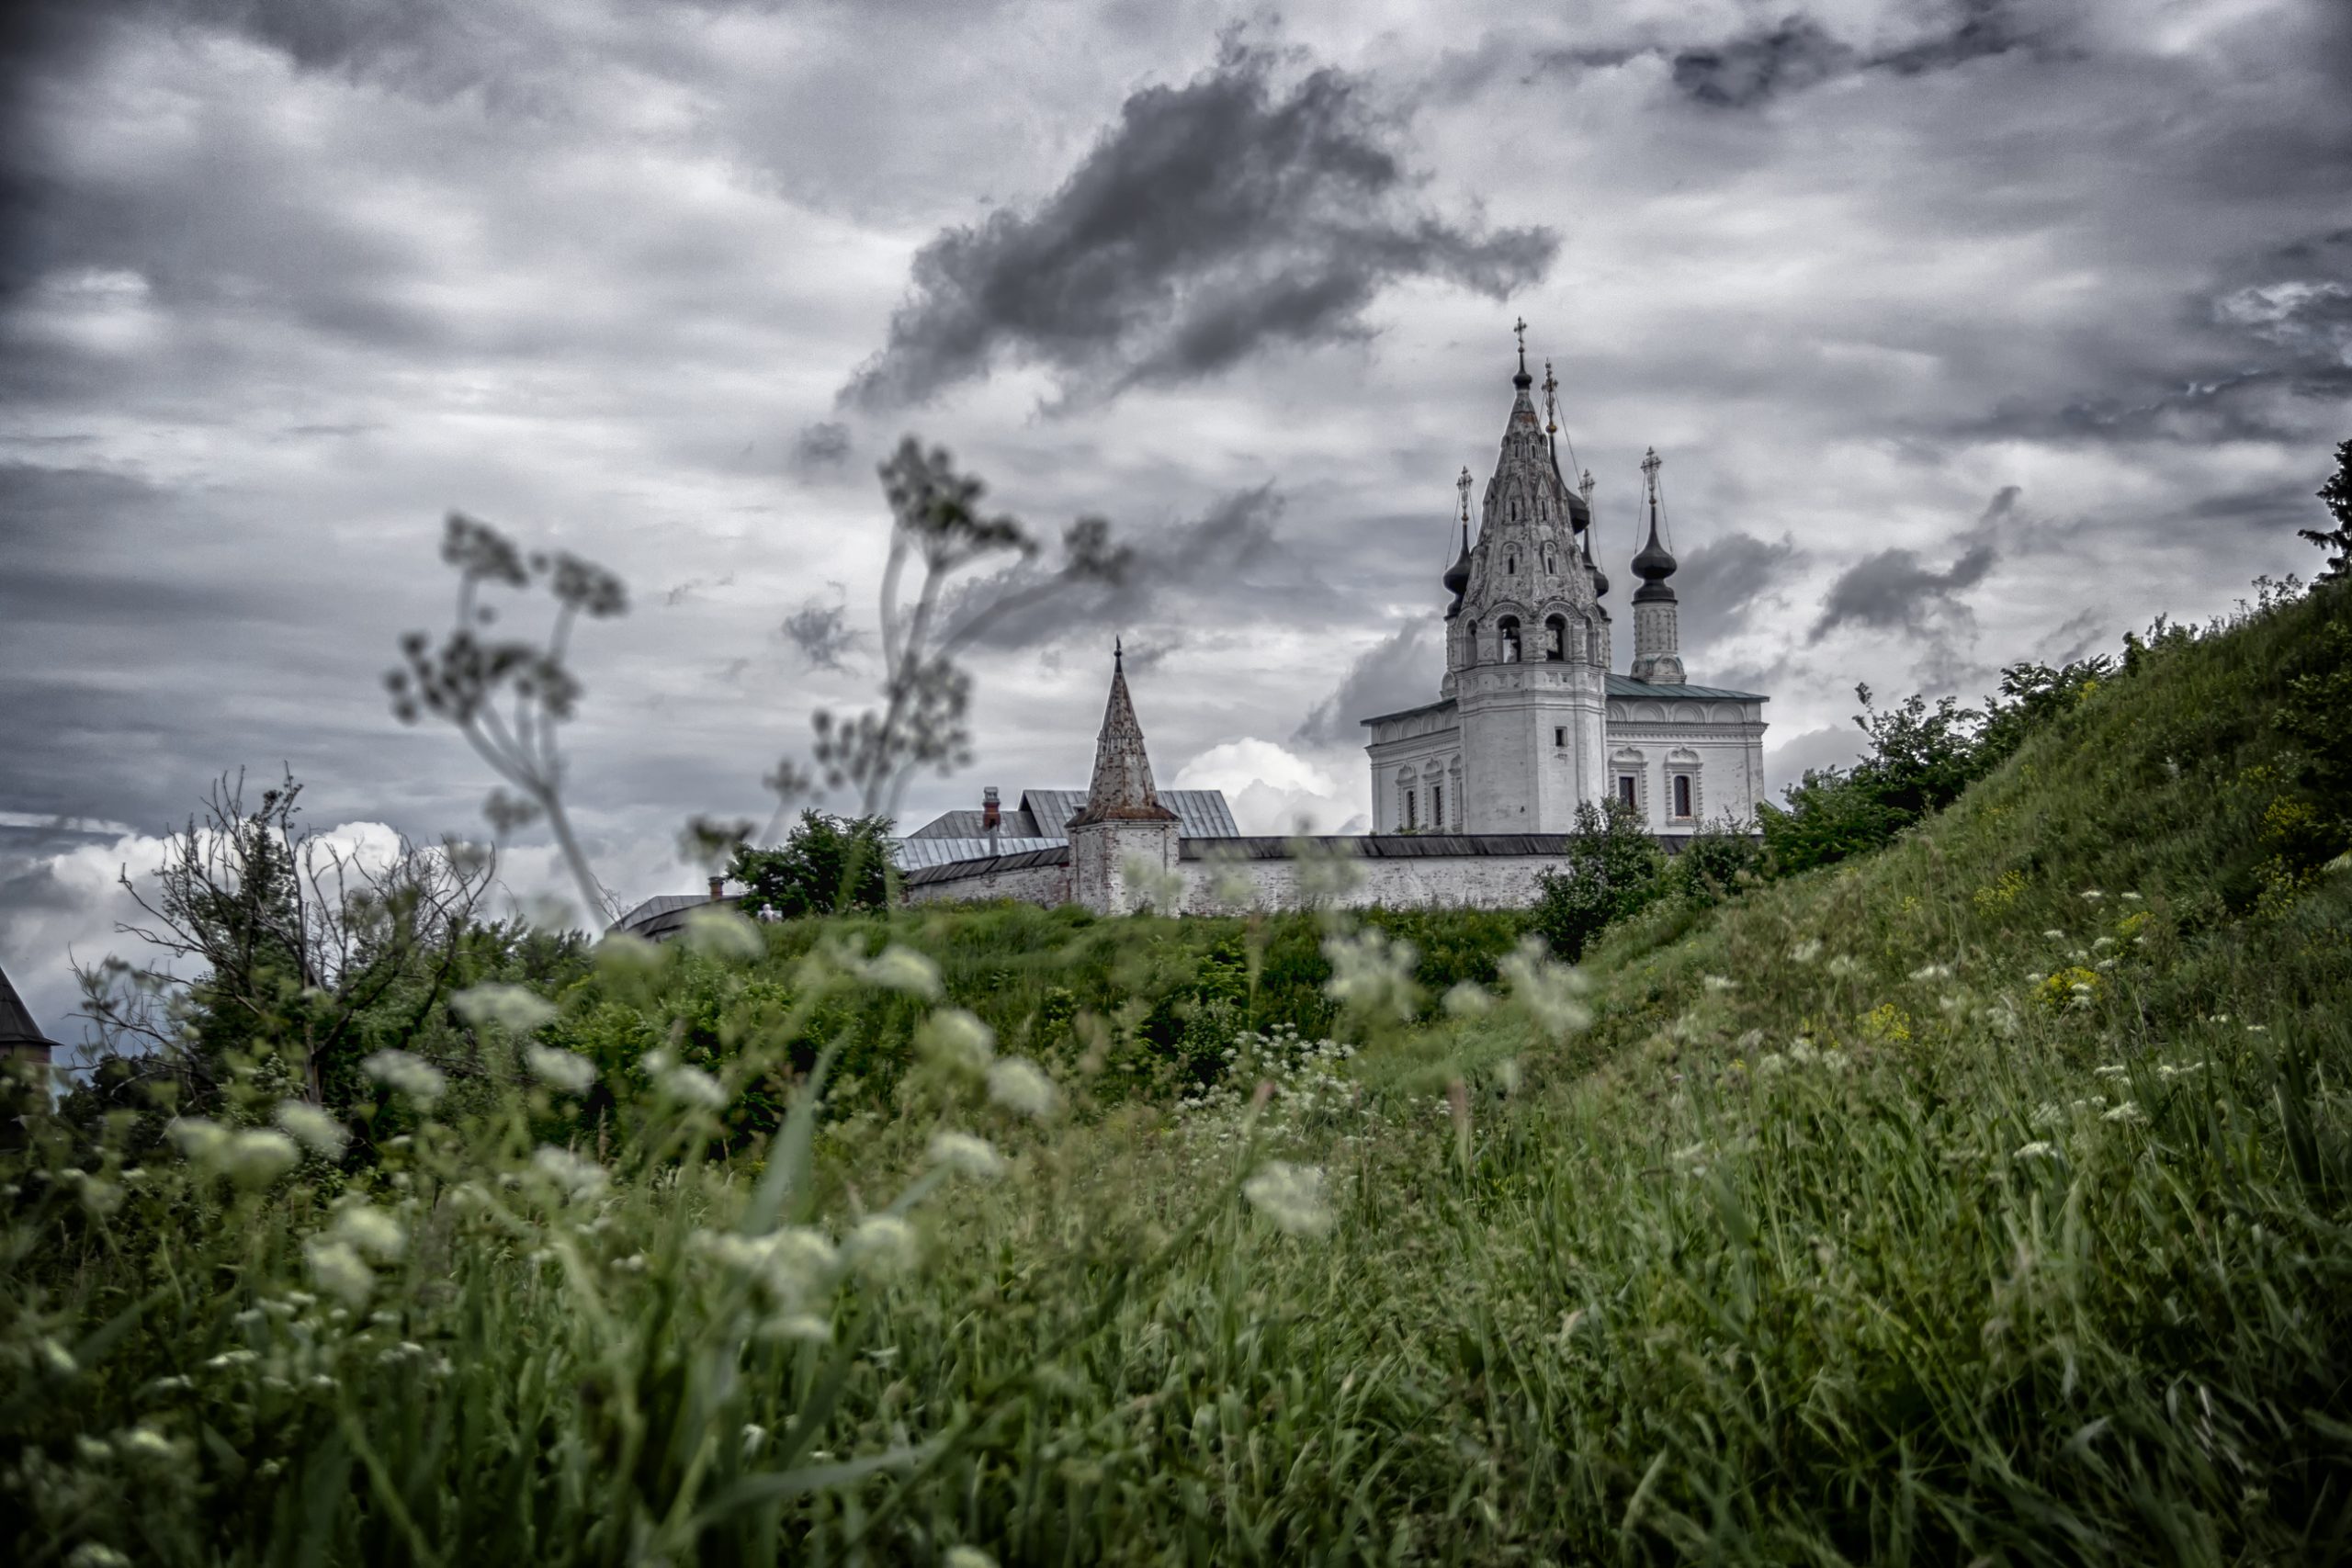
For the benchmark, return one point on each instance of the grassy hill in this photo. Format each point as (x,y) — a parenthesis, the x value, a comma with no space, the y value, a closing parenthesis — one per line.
(1984,1199)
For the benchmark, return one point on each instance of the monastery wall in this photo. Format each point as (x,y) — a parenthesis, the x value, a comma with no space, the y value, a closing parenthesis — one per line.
(1046,885)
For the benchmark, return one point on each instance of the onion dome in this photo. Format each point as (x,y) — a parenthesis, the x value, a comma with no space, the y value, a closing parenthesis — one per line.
(1656,563)
(1600,578)
(1457,576)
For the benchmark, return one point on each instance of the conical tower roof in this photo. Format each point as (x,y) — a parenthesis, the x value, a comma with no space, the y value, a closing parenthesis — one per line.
(17,1026)
(1122,790)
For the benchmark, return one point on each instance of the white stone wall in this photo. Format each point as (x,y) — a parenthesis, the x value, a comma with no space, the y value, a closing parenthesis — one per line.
(1046,885)
(1486,882)
(1426,745)
(1531,743)
(1101,855)
(1719,744)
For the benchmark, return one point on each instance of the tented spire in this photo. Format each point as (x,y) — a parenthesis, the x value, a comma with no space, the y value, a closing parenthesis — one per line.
(1122,789)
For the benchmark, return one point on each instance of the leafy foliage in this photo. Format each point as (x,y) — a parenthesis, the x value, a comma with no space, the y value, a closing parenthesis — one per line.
(826,864)
(1613,868)
(2337,494)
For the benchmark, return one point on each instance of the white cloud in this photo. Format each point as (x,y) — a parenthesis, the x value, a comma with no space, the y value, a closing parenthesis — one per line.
(1271,788)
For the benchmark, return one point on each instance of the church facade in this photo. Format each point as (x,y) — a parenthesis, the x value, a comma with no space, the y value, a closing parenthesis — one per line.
(1531,720)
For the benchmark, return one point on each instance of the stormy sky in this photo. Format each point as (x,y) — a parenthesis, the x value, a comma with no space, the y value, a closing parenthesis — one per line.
(1969,331)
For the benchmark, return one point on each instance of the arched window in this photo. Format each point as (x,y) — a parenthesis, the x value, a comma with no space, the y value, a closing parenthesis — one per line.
(1548,567)
(1556,639)
(1506,629)
(1592,643)
(1682,794)
(1511,566)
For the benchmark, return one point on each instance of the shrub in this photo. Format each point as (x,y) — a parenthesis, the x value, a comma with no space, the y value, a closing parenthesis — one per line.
(826,864)
(1613,868)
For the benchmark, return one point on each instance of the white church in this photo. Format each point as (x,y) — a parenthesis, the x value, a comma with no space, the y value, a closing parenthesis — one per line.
(1473,794)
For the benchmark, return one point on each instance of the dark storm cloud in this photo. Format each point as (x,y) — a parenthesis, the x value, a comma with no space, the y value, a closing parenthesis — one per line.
(1212,221)
(1797,52)
(822,634)
(66,567)
(1896,591)
(1399,672)
(1725,580)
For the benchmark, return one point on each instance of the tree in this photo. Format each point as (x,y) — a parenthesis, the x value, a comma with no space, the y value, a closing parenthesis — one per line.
(293,941)
(828,864)
(1613,868)
(2337,495)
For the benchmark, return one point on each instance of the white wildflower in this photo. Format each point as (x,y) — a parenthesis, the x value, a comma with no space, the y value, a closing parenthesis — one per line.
(1468,1000)
(967,1155)
(200,1142)
(2112,1070)
(883,1246)
(718,931)
(1373,971)
(1806,951)
(339,1271)
(1927,973)
(405,1074)
(1718,983)
(1022,1086)
(566,1070)
(1845,966)
(372,1231)
(517,1010)
(257,1157)
(898,968)
(228,1358)
(626,954)
(2128,1110)
(95,1555)
(143,1442)
(2038,1150)
(2129,898)
(1547,989)
(2092,894)
(968,1557)
(2055,936)
(58,1359)
(312,1128)
(804,1327)
(1292,1196)
(957,1040)
(684,1082)
(579,1179)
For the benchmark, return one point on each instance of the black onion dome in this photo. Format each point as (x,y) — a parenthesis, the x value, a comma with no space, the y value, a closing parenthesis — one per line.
(1656,563)
(1457,576)
(1600,578)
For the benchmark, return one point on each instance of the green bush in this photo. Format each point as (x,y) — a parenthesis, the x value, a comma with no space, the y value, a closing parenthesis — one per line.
(826,864)
(1613,868)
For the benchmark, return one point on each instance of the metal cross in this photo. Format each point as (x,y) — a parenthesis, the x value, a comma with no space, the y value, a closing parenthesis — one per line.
(1551,403)
(1520,327)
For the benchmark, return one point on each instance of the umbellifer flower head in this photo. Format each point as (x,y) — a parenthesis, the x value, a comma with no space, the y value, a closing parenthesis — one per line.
(1021,1084)
(1292,1196)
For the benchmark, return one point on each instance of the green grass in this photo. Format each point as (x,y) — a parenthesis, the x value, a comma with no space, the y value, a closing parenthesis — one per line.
(1673,1286)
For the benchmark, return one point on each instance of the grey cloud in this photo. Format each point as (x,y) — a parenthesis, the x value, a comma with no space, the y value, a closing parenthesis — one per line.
(1725,580)
(1894,590)
(1399,672)
(1227,555)
(1798,53)
(820,447)
(822,634)
(1212,221)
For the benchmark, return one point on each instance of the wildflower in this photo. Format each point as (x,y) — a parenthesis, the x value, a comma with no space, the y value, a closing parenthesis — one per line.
(228,1358)
(883,1246)
(410,1074)
(1509,1074)
(143,1442)
(967,1155)
(566,1070)
(517,1010)
(1718,983)
(2129,898)
(898,968)
(95,1555)
(968,1557)
(580,1178)
(2113,1070)
(2257,1029)
(200,1142)
(339,1270)
(805,1327)
(754,1437)
(1546,989)
(2038,1150)
(717,931)
(624,953)
(2092,894)
(683,1082)
(1930,972)
(1468,1000)
(58,1359)
(1022,1086)
(1292,1196)
(1806,951)
(257,1157)
(372,1231)
(957,1040)
(1373,971)
(2128,1110)
(312,1128)
(1845,966)
(2055,936)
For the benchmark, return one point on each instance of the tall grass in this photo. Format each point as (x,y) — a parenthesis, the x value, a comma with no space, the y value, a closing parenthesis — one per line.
(1982,1200)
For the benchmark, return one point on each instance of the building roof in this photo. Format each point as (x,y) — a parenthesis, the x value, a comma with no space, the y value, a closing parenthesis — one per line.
(1409,713)
(663,915)
(1056,854)
(1200,813)
(17,1030)
(1122,790)
(1015,824)
(915,854)
(1626,686)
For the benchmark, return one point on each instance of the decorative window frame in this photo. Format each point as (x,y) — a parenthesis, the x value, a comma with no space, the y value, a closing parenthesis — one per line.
(1630,761)
(1683,763)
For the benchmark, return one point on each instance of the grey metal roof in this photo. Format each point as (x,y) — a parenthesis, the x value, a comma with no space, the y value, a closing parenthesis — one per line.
(1626,686)
(1408,713)
(1015,824)
(1200,813)
(911,853)
(1053,854)
(660,915)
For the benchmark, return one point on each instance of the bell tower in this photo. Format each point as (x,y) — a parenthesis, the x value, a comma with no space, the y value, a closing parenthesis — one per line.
(1527,650)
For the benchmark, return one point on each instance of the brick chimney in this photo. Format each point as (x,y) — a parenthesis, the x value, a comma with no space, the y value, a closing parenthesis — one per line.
(717,889)
(991,811)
